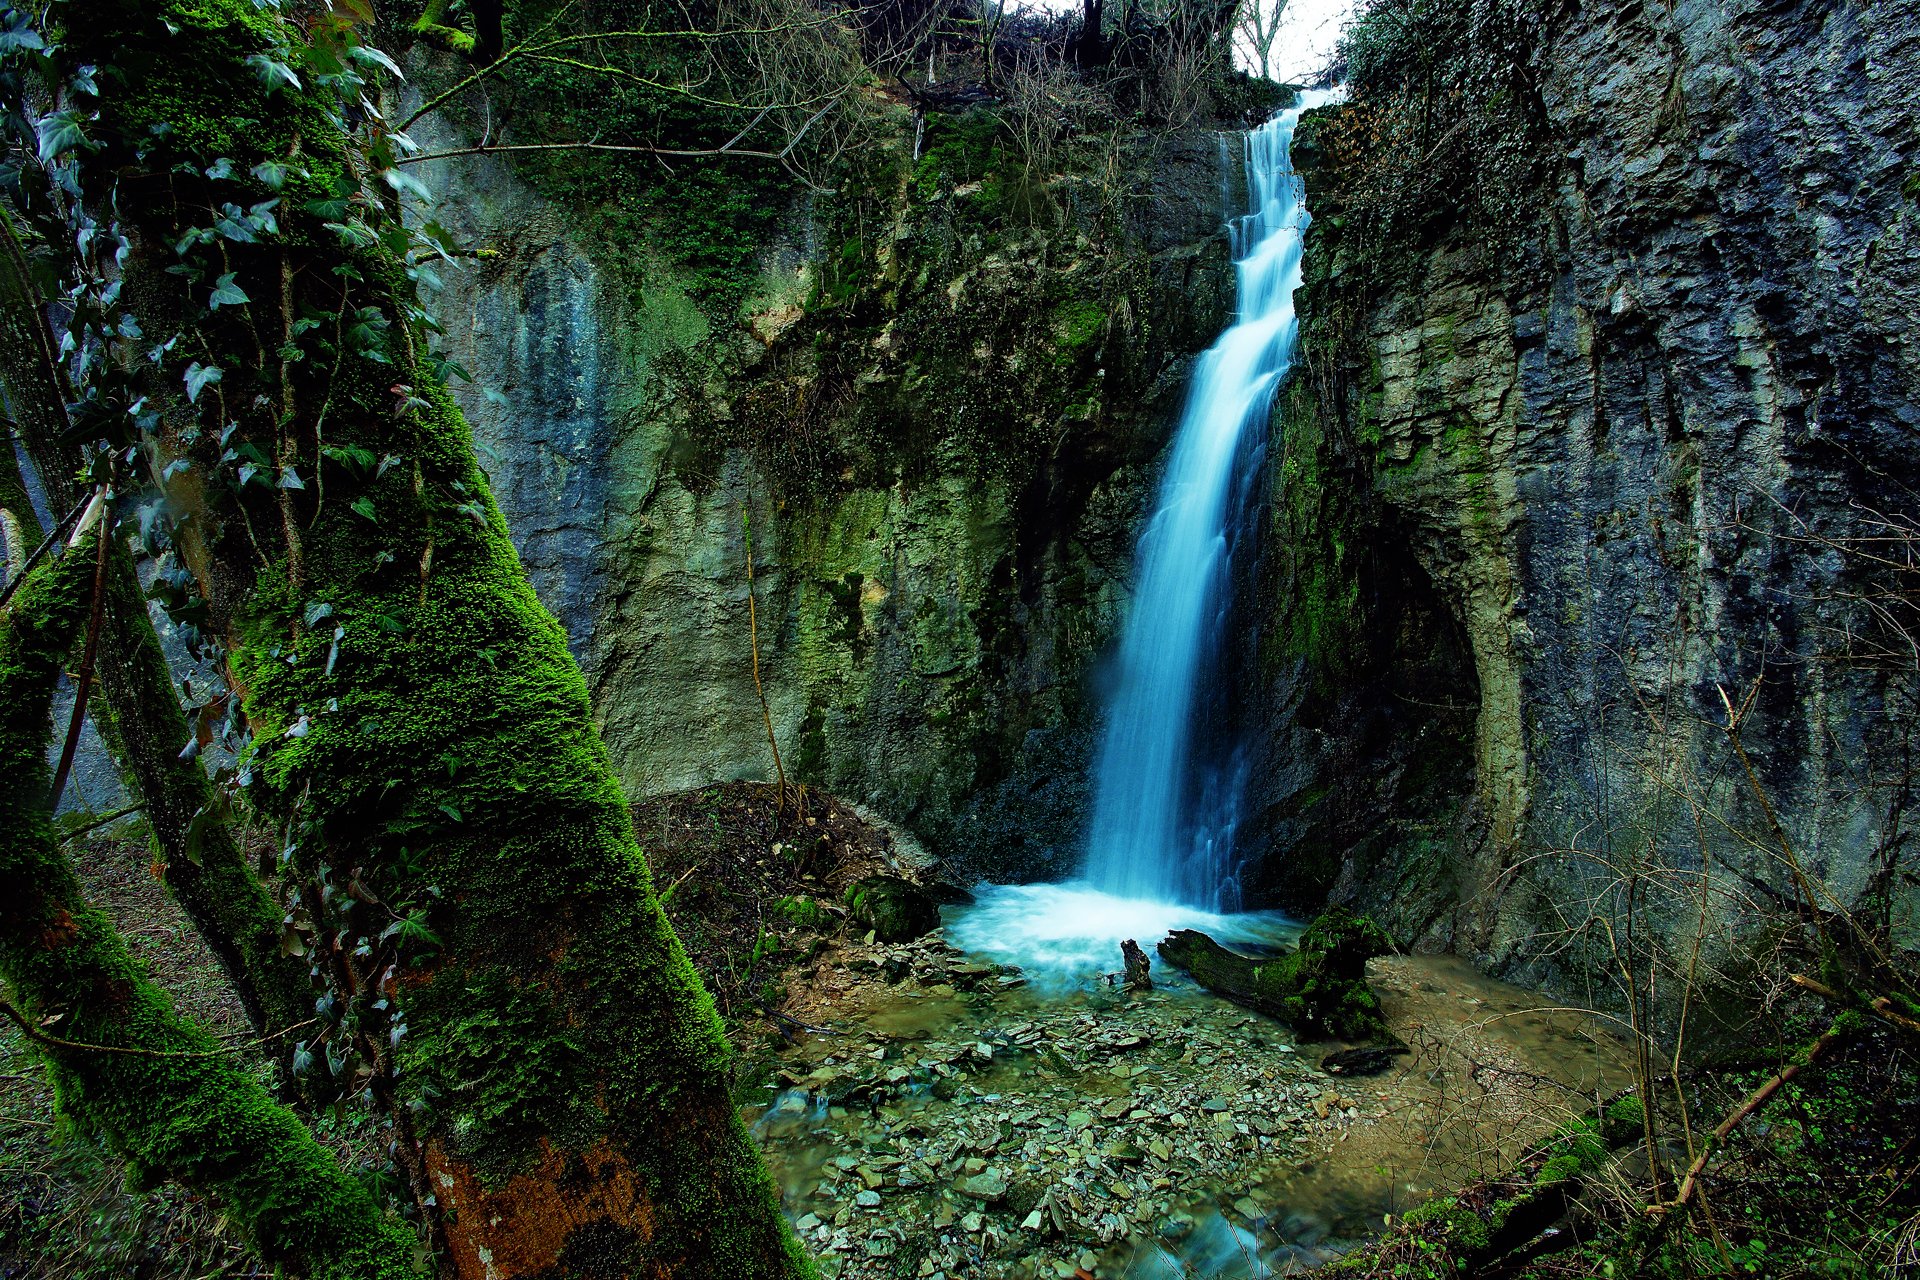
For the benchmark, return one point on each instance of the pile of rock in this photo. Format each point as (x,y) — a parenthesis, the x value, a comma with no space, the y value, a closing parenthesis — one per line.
(1029,1133)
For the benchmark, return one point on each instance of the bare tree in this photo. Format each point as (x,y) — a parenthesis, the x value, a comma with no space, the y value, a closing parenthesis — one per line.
(1254,29)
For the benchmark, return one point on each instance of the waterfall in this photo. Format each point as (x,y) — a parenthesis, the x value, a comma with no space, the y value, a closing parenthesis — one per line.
(1163,814)
(1168,778)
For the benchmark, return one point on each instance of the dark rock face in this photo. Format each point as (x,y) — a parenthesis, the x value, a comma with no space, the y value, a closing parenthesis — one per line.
(934,588)
(1644,476)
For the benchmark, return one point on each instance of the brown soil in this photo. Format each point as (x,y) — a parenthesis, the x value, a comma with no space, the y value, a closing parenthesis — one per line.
(740,880)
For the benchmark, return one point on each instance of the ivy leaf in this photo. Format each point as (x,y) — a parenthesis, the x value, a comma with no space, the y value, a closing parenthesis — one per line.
(290,479)
(199,378)
(407,184)
(273,75)
(353,235)
(226,293)
(272,174)
(18,35)
(59,133)
(363,507)
(372,57)
(316,611)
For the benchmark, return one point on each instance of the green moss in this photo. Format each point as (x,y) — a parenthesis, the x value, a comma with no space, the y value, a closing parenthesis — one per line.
(1320,987)
(424,738)
(1465,1230)
(172,1103)
(893,909)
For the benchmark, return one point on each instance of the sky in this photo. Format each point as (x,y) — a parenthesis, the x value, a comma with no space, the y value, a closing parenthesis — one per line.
(1307,37)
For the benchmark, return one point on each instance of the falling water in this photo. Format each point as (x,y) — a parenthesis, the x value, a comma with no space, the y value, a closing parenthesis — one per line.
(1163,828)
(1167,781)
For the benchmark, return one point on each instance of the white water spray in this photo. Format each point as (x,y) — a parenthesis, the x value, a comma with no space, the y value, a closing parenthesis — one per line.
(1160,853)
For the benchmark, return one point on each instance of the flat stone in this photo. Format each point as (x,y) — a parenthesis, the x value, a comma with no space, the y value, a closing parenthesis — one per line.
(990,1186)
(868,1200)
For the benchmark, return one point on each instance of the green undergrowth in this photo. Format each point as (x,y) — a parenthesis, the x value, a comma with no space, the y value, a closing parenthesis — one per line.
(1817,1182)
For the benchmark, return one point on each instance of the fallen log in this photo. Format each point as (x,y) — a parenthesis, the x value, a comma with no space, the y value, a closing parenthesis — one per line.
(1320,988)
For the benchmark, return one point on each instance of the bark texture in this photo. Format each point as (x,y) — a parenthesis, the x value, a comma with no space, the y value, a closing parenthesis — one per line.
(203,865)
(124,1065)
(1320,987)
(502,982)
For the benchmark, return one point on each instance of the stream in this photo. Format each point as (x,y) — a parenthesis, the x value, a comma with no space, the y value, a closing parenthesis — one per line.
(959,1120)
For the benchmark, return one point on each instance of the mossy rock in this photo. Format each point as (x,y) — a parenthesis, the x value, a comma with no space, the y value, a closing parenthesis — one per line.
(1320,988)
(895,910)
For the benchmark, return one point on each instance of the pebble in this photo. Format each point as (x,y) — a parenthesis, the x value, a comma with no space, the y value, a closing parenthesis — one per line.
(958,1122)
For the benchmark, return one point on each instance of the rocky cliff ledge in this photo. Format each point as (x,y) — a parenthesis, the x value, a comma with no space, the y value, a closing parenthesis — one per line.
(1610,433)
(934,411)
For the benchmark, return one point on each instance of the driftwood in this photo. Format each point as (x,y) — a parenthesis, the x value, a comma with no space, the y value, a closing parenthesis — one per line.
(1139,972)
(1320,988)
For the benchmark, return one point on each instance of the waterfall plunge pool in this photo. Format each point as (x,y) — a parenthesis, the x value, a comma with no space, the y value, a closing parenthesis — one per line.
(1065,936)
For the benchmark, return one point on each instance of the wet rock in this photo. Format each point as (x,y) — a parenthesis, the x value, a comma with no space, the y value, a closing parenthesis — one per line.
(894,910)
(1139,975)
(1357,1062)
(990,1186)
(867,1200)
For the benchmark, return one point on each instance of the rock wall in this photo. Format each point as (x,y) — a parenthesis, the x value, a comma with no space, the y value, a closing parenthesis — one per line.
(1656,469)
(937,429)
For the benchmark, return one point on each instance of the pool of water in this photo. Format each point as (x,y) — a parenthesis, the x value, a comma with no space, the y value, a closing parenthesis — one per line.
(1065,936)
(960,1119)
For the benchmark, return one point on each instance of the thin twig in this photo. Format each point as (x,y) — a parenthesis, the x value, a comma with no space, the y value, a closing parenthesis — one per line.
(41,550)
(33,1032)
(1755,1100)
(97,823)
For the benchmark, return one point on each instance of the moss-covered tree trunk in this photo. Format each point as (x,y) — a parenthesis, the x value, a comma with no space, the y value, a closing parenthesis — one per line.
(201,863)
(504,987)
(124,1065)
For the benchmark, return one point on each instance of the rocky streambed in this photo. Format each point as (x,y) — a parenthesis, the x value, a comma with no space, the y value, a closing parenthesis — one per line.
(940,1118)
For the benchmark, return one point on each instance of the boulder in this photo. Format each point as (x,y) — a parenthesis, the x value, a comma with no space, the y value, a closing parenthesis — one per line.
(895,910)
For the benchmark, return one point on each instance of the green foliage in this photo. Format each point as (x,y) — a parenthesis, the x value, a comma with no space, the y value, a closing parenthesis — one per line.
(499,982)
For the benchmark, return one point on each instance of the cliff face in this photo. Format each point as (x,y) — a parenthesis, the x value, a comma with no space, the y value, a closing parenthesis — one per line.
(936,424)
(1652,469)
(1551,501)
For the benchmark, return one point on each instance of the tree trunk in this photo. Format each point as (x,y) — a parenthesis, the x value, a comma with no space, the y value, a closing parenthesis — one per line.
(143,726)
(511,996)
(1320,988)
(159,1090)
